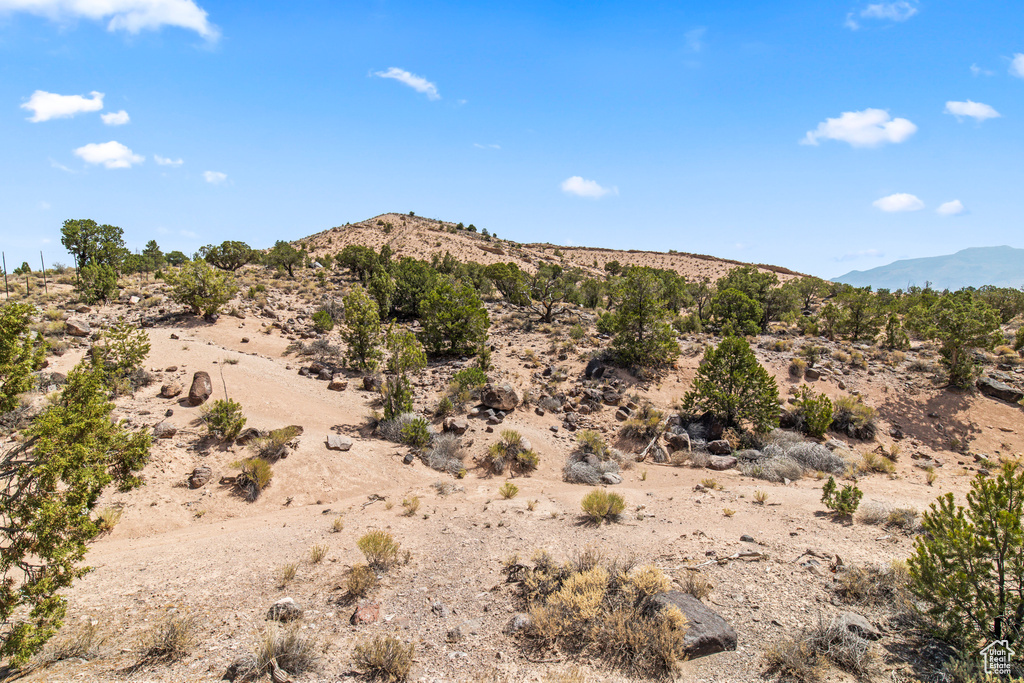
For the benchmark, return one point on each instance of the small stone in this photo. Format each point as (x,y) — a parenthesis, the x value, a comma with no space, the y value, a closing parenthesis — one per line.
(857,624)
(285,609)
(164,430)
(746,538)
(77,328)
(519,622)
(455,425)
(721,462)
(409,459)
(611,478)
(338,442)
(338,383)
(245,340)
(367,613)
(170,390)
(199,477)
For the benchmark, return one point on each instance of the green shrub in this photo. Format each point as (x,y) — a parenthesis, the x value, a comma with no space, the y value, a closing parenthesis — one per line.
(470,378)
(733,385)
(224,419)
(844,501)
(200,287)
(967,564)
(122,348)
(322,321)
(255,476)
(601,506)
(97,283)
(1018,340)
(384,659)
(509,451)
(416,433)
(454,319)
(508,490)
(853,418)
(814,413)
(380,549)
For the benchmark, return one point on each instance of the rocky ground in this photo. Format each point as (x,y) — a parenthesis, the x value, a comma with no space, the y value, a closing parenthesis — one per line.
(769,550)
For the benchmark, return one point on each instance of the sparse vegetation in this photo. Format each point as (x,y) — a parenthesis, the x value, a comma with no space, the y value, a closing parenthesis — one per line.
(841,501)
(384,658)
(255,475)
(224,419)
(601,506)
(380,549)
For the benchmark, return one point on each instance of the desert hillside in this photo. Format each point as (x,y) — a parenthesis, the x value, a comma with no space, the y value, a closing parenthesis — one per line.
(733,523)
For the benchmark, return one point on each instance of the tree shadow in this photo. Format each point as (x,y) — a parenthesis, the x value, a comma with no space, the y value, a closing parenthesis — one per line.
(910,414)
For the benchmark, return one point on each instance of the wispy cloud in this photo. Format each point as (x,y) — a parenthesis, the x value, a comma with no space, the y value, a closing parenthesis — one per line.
(111,154)
(976,110)
(164,161)
(47,105)
(882,12)
(491,146)
(132,16)
(417,83)
(116,118)
(580,187)
(214,177)
(868,128)
(953,208)
(978,71)
(61,167)
(857,255)
(898,202)
(1017,65)
(695,38)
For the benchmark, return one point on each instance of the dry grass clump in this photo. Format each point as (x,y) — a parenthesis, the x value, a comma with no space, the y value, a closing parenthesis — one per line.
(384,658)
(593,459)
(380,549)
(853,418)
(588,607)
(272,447)
(806,656)
(291,648)
(872,462)
(446,455)
(82,641)
(696,584)
(874,585)
(318,552)
(170,640)
(788,456)
(359,581)
(107,519)
(411,505)
(643,425)
(255,475)
(391,430)
(286,573)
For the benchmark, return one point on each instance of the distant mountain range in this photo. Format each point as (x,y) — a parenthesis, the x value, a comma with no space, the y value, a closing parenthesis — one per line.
(974,267)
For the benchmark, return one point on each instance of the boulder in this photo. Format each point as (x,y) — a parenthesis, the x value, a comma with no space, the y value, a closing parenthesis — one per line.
(1000,390)
(82,308)
(611,478)
(499,396)
(455,425)
(622,414)
(170,390)
(719,447)
(811,375)
(199,477)
(164,430)
(284,609)
(721,462)
(611,397)
(201,388)
(595,369)
(678,442)
(372,382)
(857,624)
(338,442)
(338,383)
(77,328)
(706,633)
(365,614)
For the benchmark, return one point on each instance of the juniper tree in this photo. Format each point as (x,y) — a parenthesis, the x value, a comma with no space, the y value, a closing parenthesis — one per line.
(406,356)
(961,322)
(200,287)
(733,385)
(21,353)
(454,319)
(643,336)
(362,330)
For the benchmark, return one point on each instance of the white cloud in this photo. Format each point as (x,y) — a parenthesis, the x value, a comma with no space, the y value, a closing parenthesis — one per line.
(586,188)
(164,161)
(952,208)
(116,118)
(47,105)
(695,39)
(1017,65)
(214,177)
(417,83)
(864,253)
(978,71)
(44,206)
(491,146)
(111,154)
(976,110)
(61,167)
(851,23)
(132,16)
(187,233)
(868,128)
(889,11)
(898,202)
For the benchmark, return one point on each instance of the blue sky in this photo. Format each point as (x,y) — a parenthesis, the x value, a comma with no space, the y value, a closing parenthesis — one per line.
(822,136)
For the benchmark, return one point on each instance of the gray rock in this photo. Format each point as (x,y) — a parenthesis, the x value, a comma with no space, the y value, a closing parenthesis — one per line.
(164,430)
(678,442)
(440,610)
(595,369)
(77,328)
(170,390)
(811,375)
(611,478)
(721,462)
(201,388)
(499,396)
(199,477)
(372,383)
(338,383)
(719,447)
(284,609)
(747,538)
(338,442)
(993,388)
(857,624)
(707,632)
(519,622)
(621,415)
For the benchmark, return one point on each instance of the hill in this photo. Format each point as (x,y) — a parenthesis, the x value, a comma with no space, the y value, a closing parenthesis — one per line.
(973,267)
(421,237)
